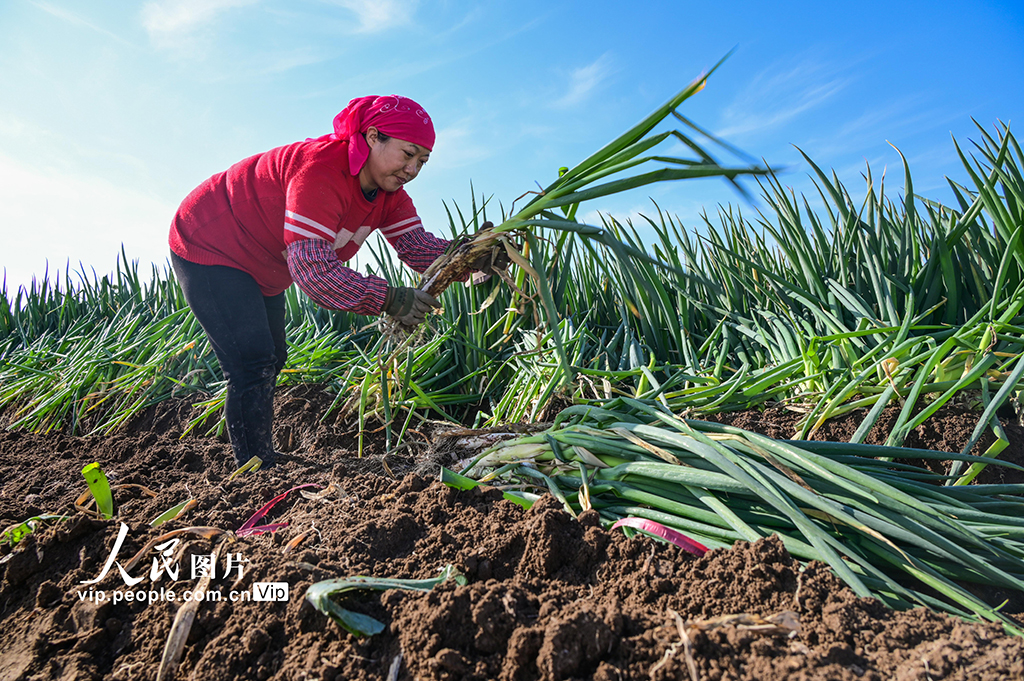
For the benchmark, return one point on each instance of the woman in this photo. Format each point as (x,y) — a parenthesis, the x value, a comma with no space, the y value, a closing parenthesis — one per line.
(296,213)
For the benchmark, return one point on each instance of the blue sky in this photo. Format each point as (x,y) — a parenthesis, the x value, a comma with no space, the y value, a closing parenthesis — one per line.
(111,112)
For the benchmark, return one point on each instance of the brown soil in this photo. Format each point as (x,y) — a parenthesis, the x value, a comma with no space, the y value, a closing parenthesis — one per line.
(548,597)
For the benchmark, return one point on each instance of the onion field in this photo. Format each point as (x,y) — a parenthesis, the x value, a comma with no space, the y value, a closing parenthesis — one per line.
(544,481)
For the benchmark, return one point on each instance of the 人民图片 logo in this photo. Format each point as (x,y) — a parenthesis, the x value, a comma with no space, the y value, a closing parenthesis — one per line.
(165,563)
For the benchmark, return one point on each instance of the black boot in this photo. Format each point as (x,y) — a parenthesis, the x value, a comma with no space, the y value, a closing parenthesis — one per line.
(250,417)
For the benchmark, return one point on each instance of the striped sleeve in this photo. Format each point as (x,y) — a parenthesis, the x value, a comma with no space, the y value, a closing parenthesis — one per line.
(317,271)
(397,229)
(403,229)
(417,247)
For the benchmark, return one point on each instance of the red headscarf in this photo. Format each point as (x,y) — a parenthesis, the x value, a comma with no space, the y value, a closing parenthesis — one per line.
(393,115)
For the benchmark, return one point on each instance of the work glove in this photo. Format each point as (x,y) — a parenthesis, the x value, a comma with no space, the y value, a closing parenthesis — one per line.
(409,305)
(495,259)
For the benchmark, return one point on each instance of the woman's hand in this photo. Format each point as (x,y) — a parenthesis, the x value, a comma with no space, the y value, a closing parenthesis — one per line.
(409,305)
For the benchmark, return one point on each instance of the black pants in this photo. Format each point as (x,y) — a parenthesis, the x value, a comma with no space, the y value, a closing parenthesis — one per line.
(246,330)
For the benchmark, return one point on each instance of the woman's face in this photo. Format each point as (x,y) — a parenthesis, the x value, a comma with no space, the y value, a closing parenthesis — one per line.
(392,163)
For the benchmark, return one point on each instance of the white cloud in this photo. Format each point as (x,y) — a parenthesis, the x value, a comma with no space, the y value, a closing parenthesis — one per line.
(899,119)
(778,95)
(18,128)
(280,62)
(456,147)
(584,80)
(377,15)
(72,18)
(52,148)
(161,18)
(474,16)
(55,218)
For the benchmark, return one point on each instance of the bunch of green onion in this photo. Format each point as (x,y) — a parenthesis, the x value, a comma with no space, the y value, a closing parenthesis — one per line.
(889,529)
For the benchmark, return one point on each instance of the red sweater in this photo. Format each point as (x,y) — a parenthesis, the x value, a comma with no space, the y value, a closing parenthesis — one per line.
(295,213)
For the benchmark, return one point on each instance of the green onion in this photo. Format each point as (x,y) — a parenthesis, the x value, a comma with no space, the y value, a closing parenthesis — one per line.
(319,596)
(850,505)
(100,489)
